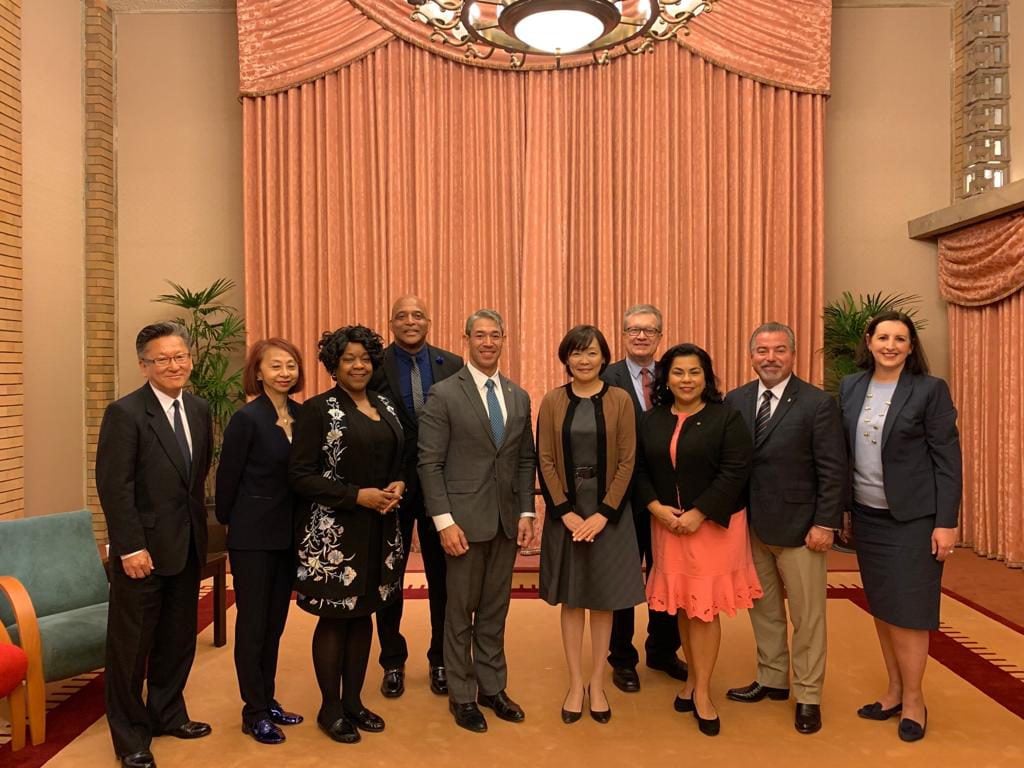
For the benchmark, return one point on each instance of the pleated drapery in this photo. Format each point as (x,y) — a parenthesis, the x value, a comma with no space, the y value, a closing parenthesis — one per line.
(556,197)
(981,274)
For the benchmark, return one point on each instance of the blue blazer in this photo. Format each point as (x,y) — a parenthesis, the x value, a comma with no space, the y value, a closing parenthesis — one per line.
(921,462)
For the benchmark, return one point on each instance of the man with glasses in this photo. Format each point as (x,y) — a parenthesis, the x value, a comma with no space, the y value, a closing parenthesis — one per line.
(151,463)
(410,368)
(476,466)
(641,334)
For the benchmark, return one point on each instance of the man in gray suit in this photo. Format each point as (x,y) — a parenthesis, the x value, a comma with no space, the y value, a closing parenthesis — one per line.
(476,468)
(795,506)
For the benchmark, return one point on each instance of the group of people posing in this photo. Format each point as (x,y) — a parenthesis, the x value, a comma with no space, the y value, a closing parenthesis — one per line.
(657,488)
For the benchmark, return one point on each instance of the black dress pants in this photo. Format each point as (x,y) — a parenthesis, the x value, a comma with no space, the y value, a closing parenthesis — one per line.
(263,589)
(393,649)
(151,637)
(662,629)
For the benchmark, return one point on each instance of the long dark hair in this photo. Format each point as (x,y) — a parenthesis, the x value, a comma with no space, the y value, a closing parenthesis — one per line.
(662,395)
(917,362)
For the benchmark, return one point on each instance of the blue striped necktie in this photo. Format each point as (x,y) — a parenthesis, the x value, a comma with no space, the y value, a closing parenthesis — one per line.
(494,413)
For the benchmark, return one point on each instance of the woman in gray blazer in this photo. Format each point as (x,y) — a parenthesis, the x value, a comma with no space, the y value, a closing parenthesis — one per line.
(904,492)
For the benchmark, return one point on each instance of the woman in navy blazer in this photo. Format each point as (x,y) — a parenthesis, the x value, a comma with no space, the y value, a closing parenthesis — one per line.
(255,502)
(904,491)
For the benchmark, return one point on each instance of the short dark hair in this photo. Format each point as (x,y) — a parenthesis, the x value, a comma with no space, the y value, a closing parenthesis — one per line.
(711,393)
(581,337)
(250,381)
(332,345)
(159,331)
(917,361)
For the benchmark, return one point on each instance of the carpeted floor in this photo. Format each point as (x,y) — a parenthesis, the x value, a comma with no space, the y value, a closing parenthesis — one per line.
(974,684)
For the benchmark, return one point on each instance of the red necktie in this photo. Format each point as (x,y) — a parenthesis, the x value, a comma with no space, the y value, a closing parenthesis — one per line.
(648,384)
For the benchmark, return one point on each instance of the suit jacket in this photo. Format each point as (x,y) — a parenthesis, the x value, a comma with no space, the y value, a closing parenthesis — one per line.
(921,462)
(386,381)
(151,499)
(462,471)
(617,374)
(712,461)
(799,464)
(253,497)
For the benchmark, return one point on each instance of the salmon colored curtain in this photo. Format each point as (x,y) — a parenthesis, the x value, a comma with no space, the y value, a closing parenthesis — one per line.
(554,197)
(283,43)
(981,274)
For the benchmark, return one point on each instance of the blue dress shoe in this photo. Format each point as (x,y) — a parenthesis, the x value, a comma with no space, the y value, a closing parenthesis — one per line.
(264,731)
(279,717)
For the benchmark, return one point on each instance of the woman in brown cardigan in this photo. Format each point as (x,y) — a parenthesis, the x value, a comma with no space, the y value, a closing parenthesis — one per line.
(586,443)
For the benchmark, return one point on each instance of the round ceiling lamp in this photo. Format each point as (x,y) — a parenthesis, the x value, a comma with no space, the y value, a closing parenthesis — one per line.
(555,27)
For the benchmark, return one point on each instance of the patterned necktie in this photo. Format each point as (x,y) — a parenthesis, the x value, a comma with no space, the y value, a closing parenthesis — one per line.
(416,384)
(764,413)
(494,413)
(647,383)
(179,435)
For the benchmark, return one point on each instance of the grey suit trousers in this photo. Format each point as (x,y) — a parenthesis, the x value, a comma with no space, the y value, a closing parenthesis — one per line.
(479,586)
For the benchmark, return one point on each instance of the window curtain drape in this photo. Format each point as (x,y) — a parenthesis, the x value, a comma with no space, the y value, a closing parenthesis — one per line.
(981,274)
(556,197)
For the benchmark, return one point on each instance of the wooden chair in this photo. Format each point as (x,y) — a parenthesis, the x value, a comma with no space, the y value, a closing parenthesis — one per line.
(13,670)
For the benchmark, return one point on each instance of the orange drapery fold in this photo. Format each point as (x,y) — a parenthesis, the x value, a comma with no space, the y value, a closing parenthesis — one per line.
(554,197)
(981,274)
(283,43)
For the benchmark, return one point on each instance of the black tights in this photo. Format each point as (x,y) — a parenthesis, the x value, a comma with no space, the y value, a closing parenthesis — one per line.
(341,651)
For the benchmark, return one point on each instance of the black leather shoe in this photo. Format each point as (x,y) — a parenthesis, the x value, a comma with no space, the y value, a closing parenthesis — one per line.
(808,718)
(366,720)
(279,717)
(674,667)
(140,759)
(755,692)
(626,679)
(192,729)
(264,731)
(568,715)
(393,684)
(468,716)
(682,705)
(911,730)
(874,711)
(341,730)
(503,706)
(710,727)
(602,716)
(439,681)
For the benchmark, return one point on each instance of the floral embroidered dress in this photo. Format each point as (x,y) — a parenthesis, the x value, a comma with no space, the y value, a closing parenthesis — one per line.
(348,554)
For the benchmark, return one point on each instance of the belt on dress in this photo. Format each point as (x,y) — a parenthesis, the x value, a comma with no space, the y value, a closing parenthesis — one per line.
(585,473)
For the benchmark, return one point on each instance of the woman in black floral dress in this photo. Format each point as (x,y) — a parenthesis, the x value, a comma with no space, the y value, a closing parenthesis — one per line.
(346,463)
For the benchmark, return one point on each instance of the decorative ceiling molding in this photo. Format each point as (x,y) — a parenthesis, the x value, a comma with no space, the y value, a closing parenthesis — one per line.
(171,6)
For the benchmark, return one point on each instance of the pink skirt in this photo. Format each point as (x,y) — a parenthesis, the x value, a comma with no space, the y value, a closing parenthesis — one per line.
(703,573)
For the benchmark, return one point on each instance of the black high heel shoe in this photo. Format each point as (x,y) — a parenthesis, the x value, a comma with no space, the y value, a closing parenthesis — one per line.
(602,716)
(707,727)
(568,716)
(683,705)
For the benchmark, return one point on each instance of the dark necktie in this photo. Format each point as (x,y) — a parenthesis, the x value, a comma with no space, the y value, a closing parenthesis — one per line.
(647,383)
(494,413)
(179,435)
(416,385)
(764,413)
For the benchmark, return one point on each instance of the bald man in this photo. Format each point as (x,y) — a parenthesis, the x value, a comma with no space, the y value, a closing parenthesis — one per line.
(410,368)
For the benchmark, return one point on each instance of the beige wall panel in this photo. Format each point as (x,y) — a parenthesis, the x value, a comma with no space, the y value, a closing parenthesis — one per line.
(887,156)
(179,157)
(54,267)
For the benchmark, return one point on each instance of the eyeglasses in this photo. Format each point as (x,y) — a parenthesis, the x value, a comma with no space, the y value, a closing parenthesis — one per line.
(633,332)
(163,362)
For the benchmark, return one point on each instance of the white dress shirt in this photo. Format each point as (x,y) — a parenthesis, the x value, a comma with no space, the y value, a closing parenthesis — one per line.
(777,391)
(638,381)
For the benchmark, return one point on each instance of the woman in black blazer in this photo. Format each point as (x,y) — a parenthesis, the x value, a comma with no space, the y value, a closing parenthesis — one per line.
(905,487)
(693,462)
(255,502)
(346,464)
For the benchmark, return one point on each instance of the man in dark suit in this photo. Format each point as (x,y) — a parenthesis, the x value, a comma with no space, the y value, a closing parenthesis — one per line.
(641,334)
(151,464)
(476,469)
(794,506)
(411,367)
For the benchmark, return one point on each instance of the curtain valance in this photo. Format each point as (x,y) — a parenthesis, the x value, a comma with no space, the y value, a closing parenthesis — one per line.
(283,43)
(984,263)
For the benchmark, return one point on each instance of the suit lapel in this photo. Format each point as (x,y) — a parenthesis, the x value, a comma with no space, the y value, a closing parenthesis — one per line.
(904,387)
(858,392)
(748,398)
(394,385)
(165,434)
(475,403)
(389,418)
(195,429)
(785,403)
